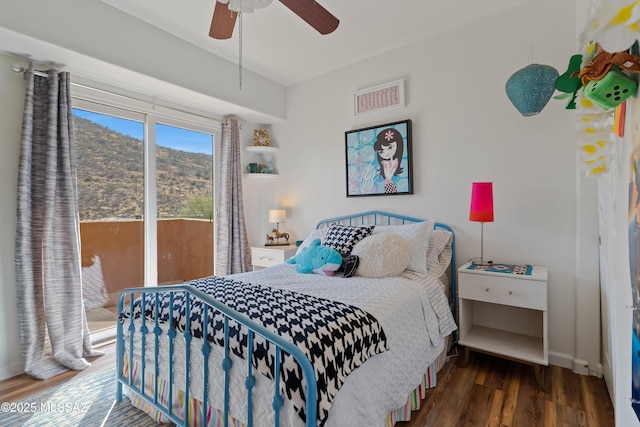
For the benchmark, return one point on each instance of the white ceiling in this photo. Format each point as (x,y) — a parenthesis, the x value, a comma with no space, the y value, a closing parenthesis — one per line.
(279,45)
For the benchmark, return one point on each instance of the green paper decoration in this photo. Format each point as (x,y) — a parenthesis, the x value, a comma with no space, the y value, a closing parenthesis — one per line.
(530,88)
(570,85)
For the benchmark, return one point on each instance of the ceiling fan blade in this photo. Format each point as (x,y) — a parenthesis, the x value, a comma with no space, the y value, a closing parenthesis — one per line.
(223,22)
(313,14)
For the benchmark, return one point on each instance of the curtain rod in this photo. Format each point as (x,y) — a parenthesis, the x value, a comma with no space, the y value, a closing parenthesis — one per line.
(20,69)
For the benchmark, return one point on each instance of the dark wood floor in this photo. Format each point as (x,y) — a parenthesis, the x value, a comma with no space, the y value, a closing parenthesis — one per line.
(494,392)
(23,385)
(488,392)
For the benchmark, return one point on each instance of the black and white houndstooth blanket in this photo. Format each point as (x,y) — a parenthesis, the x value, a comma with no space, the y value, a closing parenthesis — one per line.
(336,337)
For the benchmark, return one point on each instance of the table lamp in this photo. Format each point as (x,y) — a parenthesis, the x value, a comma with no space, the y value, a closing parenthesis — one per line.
(276,216)
(481,209)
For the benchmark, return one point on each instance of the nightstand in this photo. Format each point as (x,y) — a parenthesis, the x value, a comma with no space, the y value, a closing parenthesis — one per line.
(505,314)
(266,256)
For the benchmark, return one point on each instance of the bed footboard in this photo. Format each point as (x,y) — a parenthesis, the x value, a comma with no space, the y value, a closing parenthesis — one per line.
(149,330)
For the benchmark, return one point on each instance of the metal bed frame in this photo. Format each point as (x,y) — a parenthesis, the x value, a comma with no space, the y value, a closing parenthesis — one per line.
(281,345)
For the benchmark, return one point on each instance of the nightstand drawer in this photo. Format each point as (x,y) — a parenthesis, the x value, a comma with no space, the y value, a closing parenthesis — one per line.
(508,290)
(267,257)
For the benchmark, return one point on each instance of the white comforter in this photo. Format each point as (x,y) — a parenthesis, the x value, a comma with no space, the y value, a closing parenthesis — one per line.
(414,314)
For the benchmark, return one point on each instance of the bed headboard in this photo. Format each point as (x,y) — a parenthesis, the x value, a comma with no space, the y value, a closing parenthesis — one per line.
(386,218)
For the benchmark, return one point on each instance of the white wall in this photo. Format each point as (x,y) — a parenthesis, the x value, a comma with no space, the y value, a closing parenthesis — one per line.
(11,104)
(464,130)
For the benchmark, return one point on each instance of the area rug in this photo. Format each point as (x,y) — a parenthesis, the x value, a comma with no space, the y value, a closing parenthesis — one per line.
(88,401)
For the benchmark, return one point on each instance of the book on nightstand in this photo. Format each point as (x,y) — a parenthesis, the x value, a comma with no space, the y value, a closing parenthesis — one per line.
(522,269)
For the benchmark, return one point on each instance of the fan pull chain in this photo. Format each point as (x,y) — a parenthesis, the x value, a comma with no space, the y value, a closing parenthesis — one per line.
(240,52)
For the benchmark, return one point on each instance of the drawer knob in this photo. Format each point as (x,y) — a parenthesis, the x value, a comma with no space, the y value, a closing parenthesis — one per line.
(487,290)
(510,292)
(266,258)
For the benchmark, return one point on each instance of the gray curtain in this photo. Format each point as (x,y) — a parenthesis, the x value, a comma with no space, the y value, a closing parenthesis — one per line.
(233,254)
(53,330)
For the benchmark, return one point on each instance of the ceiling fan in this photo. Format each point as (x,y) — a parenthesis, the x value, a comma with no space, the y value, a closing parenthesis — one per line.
(226,12)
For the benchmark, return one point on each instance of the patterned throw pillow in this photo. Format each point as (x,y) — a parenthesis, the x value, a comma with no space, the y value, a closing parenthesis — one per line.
(343,238)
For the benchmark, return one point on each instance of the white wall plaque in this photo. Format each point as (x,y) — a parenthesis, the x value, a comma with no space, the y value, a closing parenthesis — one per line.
(380,97)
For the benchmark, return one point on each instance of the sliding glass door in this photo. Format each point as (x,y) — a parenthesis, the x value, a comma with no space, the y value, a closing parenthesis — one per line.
(146,200)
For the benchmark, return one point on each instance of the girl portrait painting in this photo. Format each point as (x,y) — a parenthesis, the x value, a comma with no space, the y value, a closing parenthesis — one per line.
(379,160)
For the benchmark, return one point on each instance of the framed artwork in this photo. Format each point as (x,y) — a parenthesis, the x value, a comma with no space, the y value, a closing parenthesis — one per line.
(379,160)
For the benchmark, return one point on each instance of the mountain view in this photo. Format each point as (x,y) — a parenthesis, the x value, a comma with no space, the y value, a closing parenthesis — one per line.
(111,182)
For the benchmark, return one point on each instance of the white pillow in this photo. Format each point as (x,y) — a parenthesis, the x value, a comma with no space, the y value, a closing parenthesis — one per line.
(418,235)
(382,255)
(318,233)
(439,253)
(94,290)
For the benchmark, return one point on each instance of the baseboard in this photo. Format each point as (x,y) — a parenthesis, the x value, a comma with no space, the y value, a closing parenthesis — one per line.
(578,366)
(11,371)
(582,367)
(561,359)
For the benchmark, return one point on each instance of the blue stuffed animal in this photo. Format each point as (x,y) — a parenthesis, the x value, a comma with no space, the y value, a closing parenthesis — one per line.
(317,259)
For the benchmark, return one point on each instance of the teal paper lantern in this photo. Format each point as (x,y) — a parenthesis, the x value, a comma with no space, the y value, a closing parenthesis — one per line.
(530,88)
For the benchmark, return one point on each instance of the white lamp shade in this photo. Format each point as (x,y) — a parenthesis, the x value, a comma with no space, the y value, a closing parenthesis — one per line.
(277,215)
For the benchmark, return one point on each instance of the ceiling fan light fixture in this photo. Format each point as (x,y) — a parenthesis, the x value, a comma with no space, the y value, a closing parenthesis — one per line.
(246,6)
(259,4)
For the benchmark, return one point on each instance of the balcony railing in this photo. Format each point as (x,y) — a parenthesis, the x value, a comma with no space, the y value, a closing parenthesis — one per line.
(185,251)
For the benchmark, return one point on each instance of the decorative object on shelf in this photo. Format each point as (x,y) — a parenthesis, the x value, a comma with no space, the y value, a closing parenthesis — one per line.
(268,168)
(252,167)
(276,216)
(379,98)
(379,160)
(481,209)
(261,137)
(530,88)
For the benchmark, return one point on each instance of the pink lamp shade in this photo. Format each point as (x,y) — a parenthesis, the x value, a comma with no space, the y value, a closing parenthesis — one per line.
(481,202)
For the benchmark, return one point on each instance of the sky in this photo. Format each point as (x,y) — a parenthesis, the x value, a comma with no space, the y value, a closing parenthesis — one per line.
(166,136)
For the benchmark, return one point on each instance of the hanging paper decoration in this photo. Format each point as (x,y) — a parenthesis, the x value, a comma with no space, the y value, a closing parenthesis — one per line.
(569,82)
(619,119)
(595,136)
(614,25)
(530,88)
(601,103)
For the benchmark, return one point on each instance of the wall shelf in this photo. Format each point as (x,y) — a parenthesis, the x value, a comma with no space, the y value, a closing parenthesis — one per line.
(261,149)
(260,175)
(266,152)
